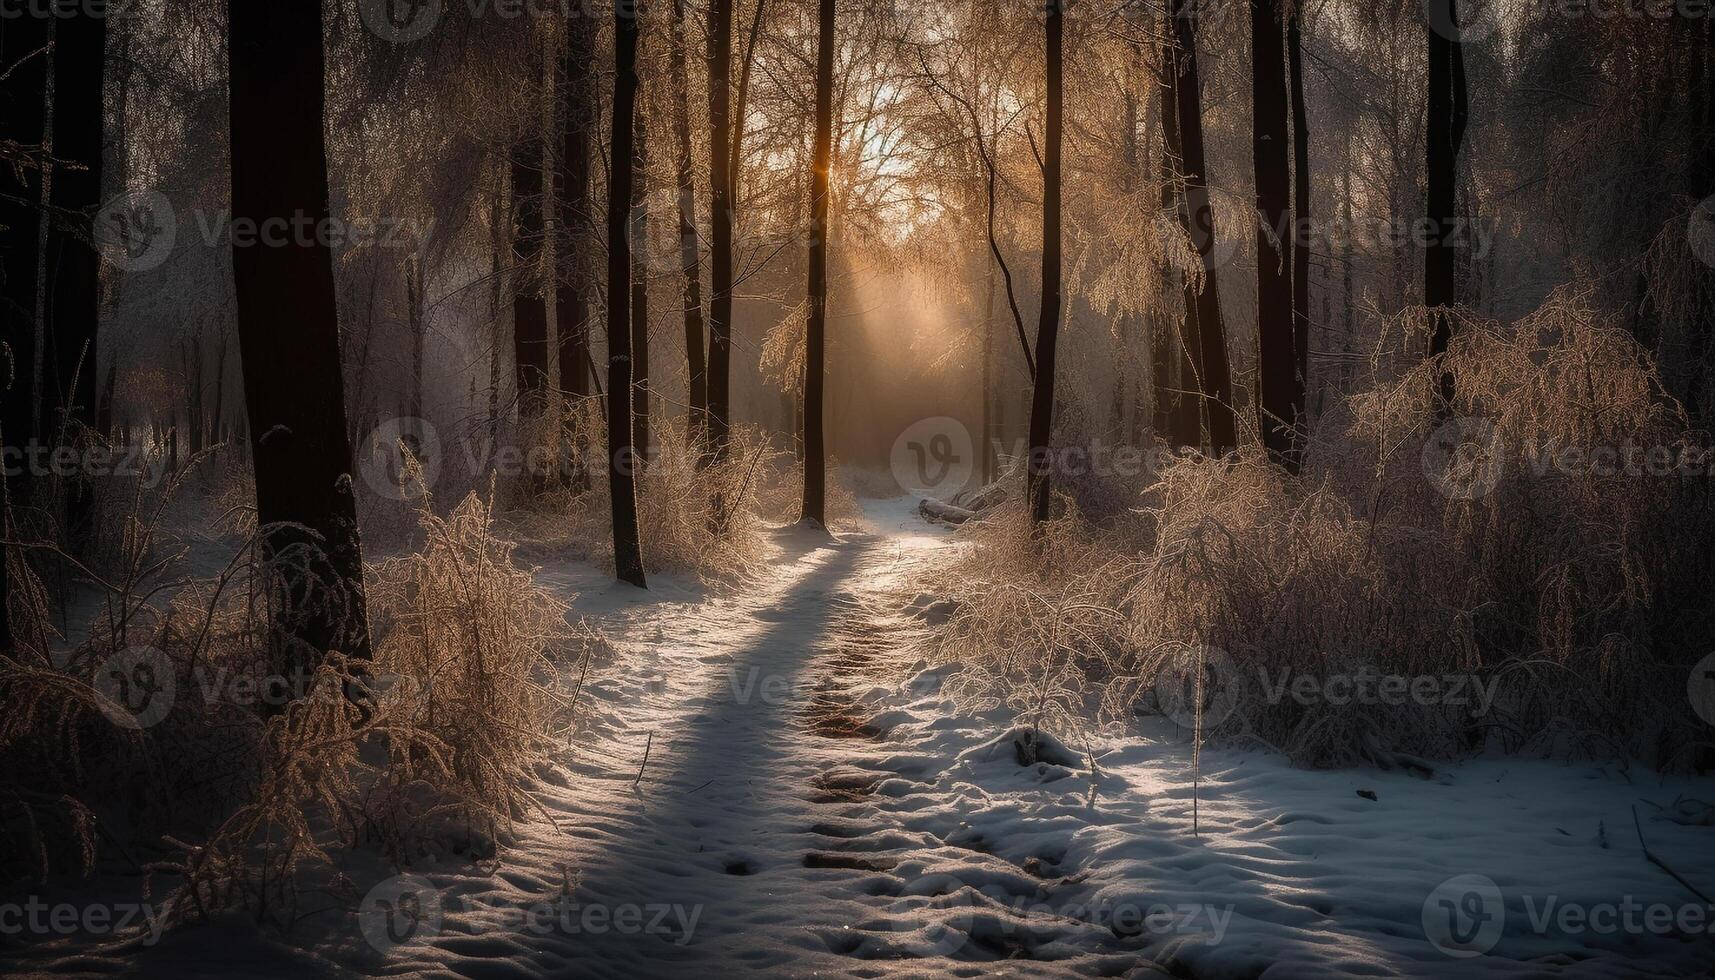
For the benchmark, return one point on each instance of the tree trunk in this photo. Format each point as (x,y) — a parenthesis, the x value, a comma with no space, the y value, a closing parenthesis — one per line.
(575,293)
(727,121)
(498,213)
(414,321)
(288,324)
(627,550)
(1214,378)
(1048,329)
(816,333)
(1183,425)
(191,362)
(721,220)
(1300,219)
(529,306)
(696,419)
(74,272)
(985,452)
(1447,112)
(218,413)
(1277,408)
(640,434)
(23,56)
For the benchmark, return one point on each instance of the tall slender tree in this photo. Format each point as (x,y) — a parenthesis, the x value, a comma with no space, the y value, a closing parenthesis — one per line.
(1279,401)
(574,291)
(816,325)
(1300,210)
(1448,111)
(697,415)
(288,323)
(529,300)
(74,267)
(640,433)
(1209,356)
(1048,329)
(727,125)
(627,548)
(25,59)
(721,200)
(1183,422)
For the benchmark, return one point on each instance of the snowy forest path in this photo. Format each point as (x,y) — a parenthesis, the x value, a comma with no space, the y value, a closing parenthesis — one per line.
(713,814)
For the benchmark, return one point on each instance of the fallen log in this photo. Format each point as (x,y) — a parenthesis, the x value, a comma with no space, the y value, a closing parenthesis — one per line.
(936,512)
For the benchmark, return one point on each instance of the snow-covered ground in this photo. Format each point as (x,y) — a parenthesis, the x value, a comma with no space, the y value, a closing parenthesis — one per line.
(810,805)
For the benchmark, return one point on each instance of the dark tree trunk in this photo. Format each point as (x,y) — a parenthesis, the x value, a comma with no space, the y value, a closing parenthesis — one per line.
(721,220)
(1278,404)
(574,291)
(640,435)
(727,122)
(23,117)
(1209,357)
(1300,219)
(191,361)
(104,414)
(529,306)
(985,452)
(696,419)
(414,321)
(815,340)
(1183,426)
(627,550)
(288,324)
(217,414)
(1160,378)
(74,272)
(499,232)
(1447,112)
(1048,329)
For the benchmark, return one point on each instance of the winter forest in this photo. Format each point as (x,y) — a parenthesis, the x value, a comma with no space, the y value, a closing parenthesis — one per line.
(860,488)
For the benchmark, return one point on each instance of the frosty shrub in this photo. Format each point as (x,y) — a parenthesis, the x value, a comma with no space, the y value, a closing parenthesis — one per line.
(465,641)
(1575,591)
(707,520)
(247,796)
